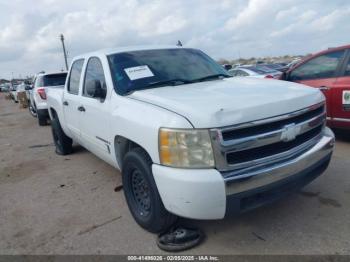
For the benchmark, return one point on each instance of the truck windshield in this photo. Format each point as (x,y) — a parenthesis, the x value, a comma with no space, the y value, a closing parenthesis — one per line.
(138,70)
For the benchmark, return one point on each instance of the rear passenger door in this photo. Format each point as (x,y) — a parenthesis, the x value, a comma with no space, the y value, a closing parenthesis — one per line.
(341,94)
(71,99)
(320,72)
(95,126)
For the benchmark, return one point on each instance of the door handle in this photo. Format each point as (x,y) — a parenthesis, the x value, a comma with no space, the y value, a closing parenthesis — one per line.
(65,103)
(81,109)
(323,88)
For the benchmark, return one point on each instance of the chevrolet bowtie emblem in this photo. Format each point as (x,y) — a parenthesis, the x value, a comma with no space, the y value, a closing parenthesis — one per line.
(289,132)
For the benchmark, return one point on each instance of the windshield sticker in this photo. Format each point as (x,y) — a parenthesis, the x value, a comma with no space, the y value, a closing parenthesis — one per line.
(346,97)
(138,72)
(346,100)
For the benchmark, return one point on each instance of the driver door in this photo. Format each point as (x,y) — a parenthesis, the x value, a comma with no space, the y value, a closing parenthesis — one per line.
(320,72)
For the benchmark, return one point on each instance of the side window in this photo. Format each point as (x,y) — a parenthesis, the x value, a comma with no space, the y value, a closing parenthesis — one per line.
(323,66)
(39,82)
(94,82)
(74,77)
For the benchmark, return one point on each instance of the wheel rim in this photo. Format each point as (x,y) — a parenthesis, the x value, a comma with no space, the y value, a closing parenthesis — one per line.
(32,110)
(141,192)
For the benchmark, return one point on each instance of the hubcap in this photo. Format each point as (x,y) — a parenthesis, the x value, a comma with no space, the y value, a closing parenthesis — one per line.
(32,110)
(141,192)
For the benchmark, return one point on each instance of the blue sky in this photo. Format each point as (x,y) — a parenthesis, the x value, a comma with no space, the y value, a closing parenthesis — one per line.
(29,30)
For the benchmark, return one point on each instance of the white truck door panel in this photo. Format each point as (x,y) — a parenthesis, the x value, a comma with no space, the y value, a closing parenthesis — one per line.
(71,99)
(72,115)
(95,126)
(94,121)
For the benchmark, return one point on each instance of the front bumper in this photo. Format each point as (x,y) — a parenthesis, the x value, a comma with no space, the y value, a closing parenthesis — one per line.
(205,194)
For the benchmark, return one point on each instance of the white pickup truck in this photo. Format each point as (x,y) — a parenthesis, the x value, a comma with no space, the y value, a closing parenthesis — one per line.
(190,140)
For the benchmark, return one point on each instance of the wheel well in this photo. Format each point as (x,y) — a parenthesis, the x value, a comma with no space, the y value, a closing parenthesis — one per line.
(122,146)
(53,113)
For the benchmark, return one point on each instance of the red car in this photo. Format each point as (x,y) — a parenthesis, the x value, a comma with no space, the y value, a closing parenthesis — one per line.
(329,71)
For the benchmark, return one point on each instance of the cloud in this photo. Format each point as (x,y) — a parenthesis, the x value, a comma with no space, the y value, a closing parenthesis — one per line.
(29,35)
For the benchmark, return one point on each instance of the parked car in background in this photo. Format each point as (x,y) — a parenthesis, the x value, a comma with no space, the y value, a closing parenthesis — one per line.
(255,71)
(5,88)
(281,67)
(329,71)
(38,103)
(13,93)
(190,140)
(22,87)
(293,63)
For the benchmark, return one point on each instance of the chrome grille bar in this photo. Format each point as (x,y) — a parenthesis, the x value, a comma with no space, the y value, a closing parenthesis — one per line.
(222,147)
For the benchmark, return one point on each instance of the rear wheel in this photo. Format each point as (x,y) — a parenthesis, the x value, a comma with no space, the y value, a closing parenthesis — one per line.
(141,193)
(63,143)
(32,110)
(42,118)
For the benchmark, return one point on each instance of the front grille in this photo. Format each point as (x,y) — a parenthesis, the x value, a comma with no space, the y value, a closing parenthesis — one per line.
(269,140)
(271,149)
(268,127)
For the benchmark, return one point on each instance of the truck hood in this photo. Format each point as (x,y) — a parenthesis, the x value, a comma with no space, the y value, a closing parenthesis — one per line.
(231,101)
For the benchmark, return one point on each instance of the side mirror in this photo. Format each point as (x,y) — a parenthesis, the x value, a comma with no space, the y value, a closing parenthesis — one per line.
(94,89)
(228,67)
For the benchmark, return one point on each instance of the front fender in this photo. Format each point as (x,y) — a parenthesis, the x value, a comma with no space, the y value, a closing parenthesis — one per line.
(140,121)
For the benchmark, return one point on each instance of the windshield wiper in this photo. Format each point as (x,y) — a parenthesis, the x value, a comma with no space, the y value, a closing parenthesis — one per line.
(172,82)
(210,77)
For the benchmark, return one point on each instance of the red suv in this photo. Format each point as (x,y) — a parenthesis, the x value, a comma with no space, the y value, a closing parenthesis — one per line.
(329,71)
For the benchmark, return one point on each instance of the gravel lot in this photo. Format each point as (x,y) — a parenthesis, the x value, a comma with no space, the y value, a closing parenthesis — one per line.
(51,204)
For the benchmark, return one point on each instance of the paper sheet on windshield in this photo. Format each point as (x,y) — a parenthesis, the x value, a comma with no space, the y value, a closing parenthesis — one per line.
(346,97)
(346,100)
(138,72)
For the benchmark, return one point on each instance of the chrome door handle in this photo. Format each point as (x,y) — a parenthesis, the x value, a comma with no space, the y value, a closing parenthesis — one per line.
(323,88)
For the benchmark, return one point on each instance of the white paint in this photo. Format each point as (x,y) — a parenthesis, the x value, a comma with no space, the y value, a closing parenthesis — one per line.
(242,99)
(191,193)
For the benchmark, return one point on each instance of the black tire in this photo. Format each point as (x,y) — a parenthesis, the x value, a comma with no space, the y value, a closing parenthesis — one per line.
(141,193)
(32,110)
(42,118)
(63,143)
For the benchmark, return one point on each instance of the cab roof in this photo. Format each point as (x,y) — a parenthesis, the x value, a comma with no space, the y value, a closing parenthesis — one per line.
(110,51)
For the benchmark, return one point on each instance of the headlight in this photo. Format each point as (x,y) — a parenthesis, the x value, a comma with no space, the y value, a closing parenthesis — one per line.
(185,148)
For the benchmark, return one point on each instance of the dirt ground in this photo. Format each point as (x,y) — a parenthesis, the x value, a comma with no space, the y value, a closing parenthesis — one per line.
(52,204)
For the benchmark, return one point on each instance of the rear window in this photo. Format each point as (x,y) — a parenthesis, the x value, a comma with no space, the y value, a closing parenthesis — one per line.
(55,79)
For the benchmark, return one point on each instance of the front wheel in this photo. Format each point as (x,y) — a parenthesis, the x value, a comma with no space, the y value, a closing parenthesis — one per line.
(141,193)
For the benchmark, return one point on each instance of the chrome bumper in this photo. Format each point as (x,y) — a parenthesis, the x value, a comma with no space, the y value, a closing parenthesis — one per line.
(267,175)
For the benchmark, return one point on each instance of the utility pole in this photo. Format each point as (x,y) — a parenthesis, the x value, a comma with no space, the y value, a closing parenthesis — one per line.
(64,51)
